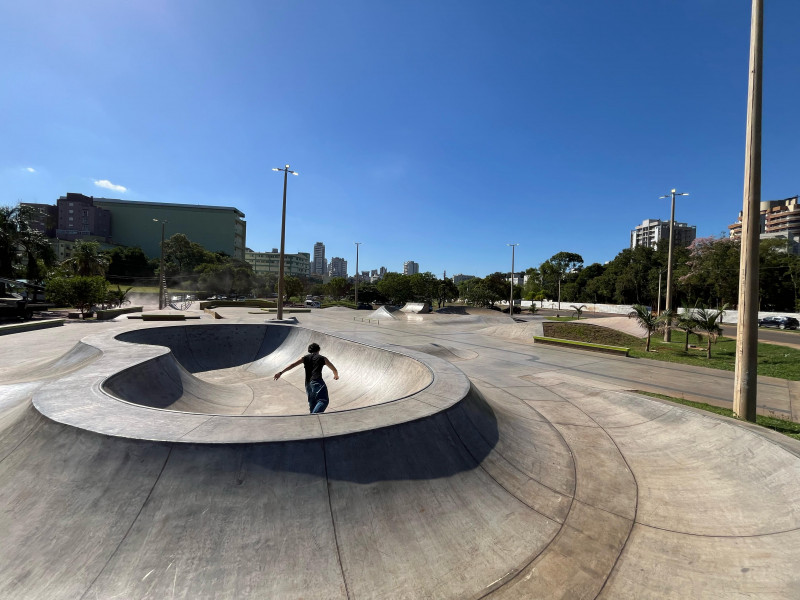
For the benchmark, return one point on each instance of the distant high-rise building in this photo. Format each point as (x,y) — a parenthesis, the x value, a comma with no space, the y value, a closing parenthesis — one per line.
(653,231)
(80,217)
(778,219)
(319,266)
(338,267)
(777,216)
(410,267)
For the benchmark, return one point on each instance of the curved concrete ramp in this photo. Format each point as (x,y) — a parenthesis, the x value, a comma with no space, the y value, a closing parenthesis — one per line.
(416,307)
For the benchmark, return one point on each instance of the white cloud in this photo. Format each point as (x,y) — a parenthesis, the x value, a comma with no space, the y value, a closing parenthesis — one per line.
(105,183)
(30,169)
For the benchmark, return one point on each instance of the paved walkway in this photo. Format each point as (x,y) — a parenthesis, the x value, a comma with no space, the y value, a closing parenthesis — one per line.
(549,479)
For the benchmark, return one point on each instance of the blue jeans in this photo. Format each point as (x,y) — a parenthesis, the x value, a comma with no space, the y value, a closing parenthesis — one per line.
(317,393)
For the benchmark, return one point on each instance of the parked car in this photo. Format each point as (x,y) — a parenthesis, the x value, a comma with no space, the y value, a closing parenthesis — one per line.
(779,322)
(15,306)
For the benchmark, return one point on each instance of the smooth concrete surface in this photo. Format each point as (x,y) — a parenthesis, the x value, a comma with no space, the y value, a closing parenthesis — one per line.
(546,478)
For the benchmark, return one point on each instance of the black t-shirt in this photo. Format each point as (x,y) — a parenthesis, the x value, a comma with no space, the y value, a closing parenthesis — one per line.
(313,364)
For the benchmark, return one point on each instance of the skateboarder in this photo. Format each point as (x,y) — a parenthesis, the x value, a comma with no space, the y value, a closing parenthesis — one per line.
(315,386)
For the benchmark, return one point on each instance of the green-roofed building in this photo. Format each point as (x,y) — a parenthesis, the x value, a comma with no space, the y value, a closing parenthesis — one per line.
(216,228)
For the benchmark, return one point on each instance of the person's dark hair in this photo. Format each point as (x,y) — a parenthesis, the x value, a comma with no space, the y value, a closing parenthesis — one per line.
(313,347)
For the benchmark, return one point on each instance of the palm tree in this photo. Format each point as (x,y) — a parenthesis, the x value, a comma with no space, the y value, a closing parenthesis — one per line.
(687,323)
(87,260)
(578,310)
(649,321)
(707,321)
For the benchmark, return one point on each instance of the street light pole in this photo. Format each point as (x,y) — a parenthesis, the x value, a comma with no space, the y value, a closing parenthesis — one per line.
(162,291)
(511,297)
(286,172)
(668,304)
(745,380)
(356,295)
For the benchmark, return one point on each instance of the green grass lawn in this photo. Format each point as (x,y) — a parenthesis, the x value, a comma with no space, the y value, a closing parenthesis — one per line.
(773,361)
(783,426)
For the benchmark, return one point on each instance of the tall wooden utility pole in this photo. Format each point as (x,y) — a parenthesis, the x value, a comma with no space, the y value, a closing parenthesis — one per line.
(744,392)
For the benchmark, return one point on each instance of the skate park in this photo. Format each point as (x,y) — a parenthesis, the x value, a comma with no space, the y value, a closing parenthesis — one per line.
(457,460)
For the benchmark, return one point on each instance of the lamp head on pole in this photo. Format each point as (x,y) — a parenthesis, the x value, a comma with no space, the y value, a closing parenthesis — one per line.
(286,169)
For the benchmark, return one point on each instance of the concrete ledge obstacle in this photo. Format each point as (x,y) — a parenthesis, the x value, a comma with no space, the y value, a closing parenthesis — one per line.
(30,326)
(163,317)
(110,313)
(582,345)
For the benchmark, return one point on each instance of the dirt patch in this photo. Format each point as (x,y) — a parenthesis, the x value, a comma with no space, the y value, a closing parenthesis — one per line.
(594,334)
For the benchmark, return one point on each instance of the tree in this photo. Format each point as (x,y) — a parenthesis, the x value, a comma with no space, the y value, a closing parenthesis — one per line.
(446,291)
(183,256)
(774,274)
(128,263)
(368,292)
(117,297)
(556,268)
(708,322)
(293,287)
(37,252)
(24,251)
(87,260)
(8,241)
(649,321)
(713,269)
(337,287)
(396,287)
(479,293)
(497,286)
(81,292)
(533,284)
(423,286)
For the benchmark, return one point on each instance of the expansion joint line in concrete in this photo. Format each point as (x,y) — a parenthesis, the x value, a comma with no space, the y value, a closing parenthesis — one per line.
(333,519)
(635,484)
(511,576)
(132,523)
(720,537)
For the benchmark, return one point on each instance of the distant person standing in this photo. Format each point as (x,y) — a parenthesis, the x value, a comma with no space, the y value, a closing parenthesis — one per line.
(316,389)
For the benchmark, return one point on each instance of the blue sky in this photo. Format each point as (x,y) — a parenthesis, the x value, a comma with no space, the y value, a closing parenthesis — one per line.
(434,131)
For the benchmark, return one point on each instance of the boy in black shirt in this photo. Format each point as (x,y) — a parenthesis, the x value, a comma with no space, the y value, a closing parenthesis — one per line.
(315,386)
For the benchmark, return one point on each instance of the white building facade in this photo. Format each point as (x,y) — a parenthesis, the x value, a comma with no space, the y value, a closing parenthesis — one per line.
(653,231)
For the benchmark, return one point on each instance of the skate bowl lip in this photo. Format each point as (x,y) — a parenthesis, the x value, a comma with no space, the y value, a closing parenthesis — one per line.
(79,399)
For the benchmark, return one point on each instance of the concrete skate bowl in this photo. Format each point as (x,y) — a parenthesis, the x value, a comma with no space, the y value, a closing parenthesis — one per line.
(228,370)
(214,383)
